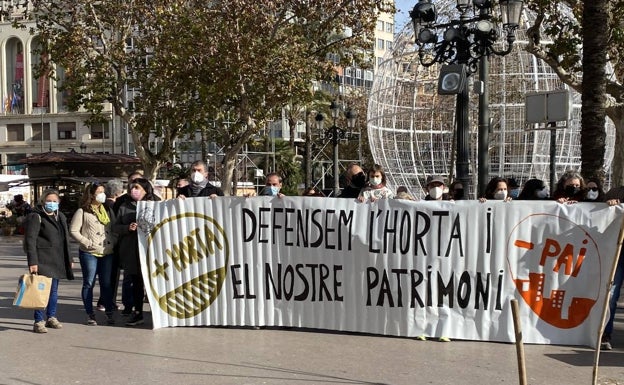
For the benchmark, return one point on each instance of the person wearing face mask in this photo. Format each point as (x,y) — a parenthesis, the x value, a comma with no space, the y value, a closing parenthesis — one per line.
(355,180)
(126,227)
(496,189)
(198,184)
(376,188)
(593,191)
(125,197)
(46,245)
(273,186)
(457,191)
(435,189)
(570,188)
(513,188)
(91,227)
(534,189)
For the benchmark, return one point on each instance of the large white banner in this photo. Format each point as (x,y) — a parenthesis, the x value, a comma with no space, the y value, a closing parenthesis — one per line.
(391,267)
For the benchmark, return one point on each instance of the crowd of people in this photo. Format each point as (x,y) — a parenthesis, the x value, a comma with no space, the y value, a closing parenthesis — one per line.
(105,228)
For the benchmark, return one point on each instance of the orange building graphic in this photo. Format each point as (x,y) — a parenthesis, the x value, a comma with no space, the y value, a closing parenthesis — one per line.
(550,309)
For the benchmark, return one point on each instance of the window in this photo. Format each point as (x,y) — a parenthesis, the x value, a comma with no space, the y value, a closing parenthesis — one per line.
(368,75)
(389,27)
(99,131)
(389,44)
(380,44)
(380,25)
(348,71)
(67,130)
(379,61)
(358,73)
(15,132)
(36,131)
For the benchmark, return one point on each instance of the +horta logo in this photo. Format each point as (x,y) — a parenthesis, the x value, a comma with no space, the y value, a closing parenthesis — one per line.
(555,266)
(187,259)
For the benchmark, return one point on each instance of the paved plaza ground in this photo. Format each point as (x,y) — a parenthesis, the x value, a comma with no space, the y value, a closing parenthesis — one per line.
(93,355)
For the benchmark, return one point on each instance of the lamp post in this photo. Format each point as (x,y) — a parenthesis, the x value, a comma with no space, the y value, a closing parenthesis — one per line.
(467,43)
(335,134)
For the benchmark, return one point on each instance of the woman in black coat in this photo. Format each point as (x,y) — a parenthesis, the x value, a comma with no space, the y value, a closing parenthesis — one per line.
(126,226)
(46,245)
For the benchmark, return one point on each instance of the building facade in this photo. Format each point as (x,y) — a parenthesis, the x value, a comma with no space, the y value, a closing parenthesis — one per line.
(34,116)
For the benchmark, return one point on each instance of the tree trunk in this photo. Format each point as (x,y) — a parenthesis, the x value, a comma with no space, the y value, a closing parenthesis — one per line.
(229,162)
(617,167)
(593,134)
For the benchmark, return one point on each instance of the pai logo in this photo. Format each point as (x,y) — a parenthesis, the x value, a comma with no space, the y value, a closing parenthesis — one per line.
(187,259)
(555,265)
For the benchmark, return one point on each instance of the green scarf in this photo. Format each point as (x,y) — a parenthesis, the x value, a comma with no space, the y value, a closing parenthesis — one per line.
(101,214)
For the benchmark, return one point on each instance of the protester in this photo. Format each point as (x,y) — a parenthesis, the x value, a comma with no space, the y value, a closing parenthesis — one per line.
(435,189)
(126,283)
(312,192)
(199,185)
(613,197)
(355,180)
(496,189)
(593,191)
(273,186)
(404,195)
(534,189)
(513,188)
(113,189)
(457,191)
(126,197)
(569,188)
(46,245)
(376,188)
(91,227)
(126,227)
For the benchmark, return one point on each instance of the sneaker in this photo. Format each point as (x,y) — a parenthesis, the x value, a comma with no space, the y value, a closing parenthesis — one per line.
(421,337)
(109,319)
(126,311)
(53,323)
(444,339)
(100,308)
(137,319)
(91,320)
(605,342)
(39,327)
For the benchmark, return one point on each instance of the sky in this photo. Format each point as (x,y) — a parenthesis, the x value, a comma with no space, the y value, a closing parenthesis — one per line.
(402,16)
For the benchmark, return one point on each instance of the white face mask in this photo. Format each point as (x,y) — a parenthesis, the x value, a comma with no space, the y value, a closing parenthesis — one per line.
(500,195)
(375,181)
(541,194)
(197,177)
(100,197)
(436,192)
(592,195)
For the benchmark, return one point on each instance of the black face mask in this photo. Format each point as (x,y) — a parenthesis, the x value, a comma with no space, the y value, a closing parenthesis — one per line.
(571,190)
(458,194)
(358,180)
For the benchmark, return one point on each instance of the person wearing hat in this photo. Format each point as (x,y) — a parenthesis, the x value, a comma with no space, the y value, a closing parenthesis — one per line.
(435,189)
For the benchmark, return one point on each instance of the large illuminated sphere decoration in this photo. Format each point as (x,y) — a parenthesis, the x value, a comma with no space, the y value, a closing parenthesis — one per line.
(411,128)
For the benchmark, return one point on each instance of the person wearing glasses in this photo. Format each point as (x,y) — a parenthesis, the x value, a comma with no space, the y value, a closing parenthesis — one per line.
(594,191)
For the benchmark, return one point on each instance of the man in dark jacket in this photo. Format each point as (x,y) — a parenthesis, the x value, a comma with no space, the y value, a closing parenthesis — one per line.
(199,185)
(356,180)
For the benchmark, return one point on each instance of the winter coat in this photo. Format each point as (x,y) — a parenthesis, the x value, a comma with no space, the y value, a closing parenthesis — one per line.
(93,237)
(128,242)
(46,244)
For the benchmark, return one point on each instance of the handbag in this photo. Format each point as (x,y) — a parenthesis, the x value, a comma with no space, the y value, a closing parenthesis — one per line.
(33,291)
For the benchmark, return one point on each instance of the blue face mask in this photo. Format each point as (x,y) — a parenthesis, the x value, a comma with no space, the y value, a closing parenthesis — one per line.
(272,190)
(51,206)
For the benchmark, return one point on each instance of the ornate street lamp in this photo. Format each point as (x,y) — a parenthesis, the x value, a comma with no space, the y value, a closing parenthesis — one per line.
(465,45)
(335,134)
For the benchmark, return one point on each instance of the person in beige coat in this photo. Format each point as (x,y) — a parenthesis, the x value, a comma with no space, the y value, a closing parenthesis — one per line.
(91,226)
